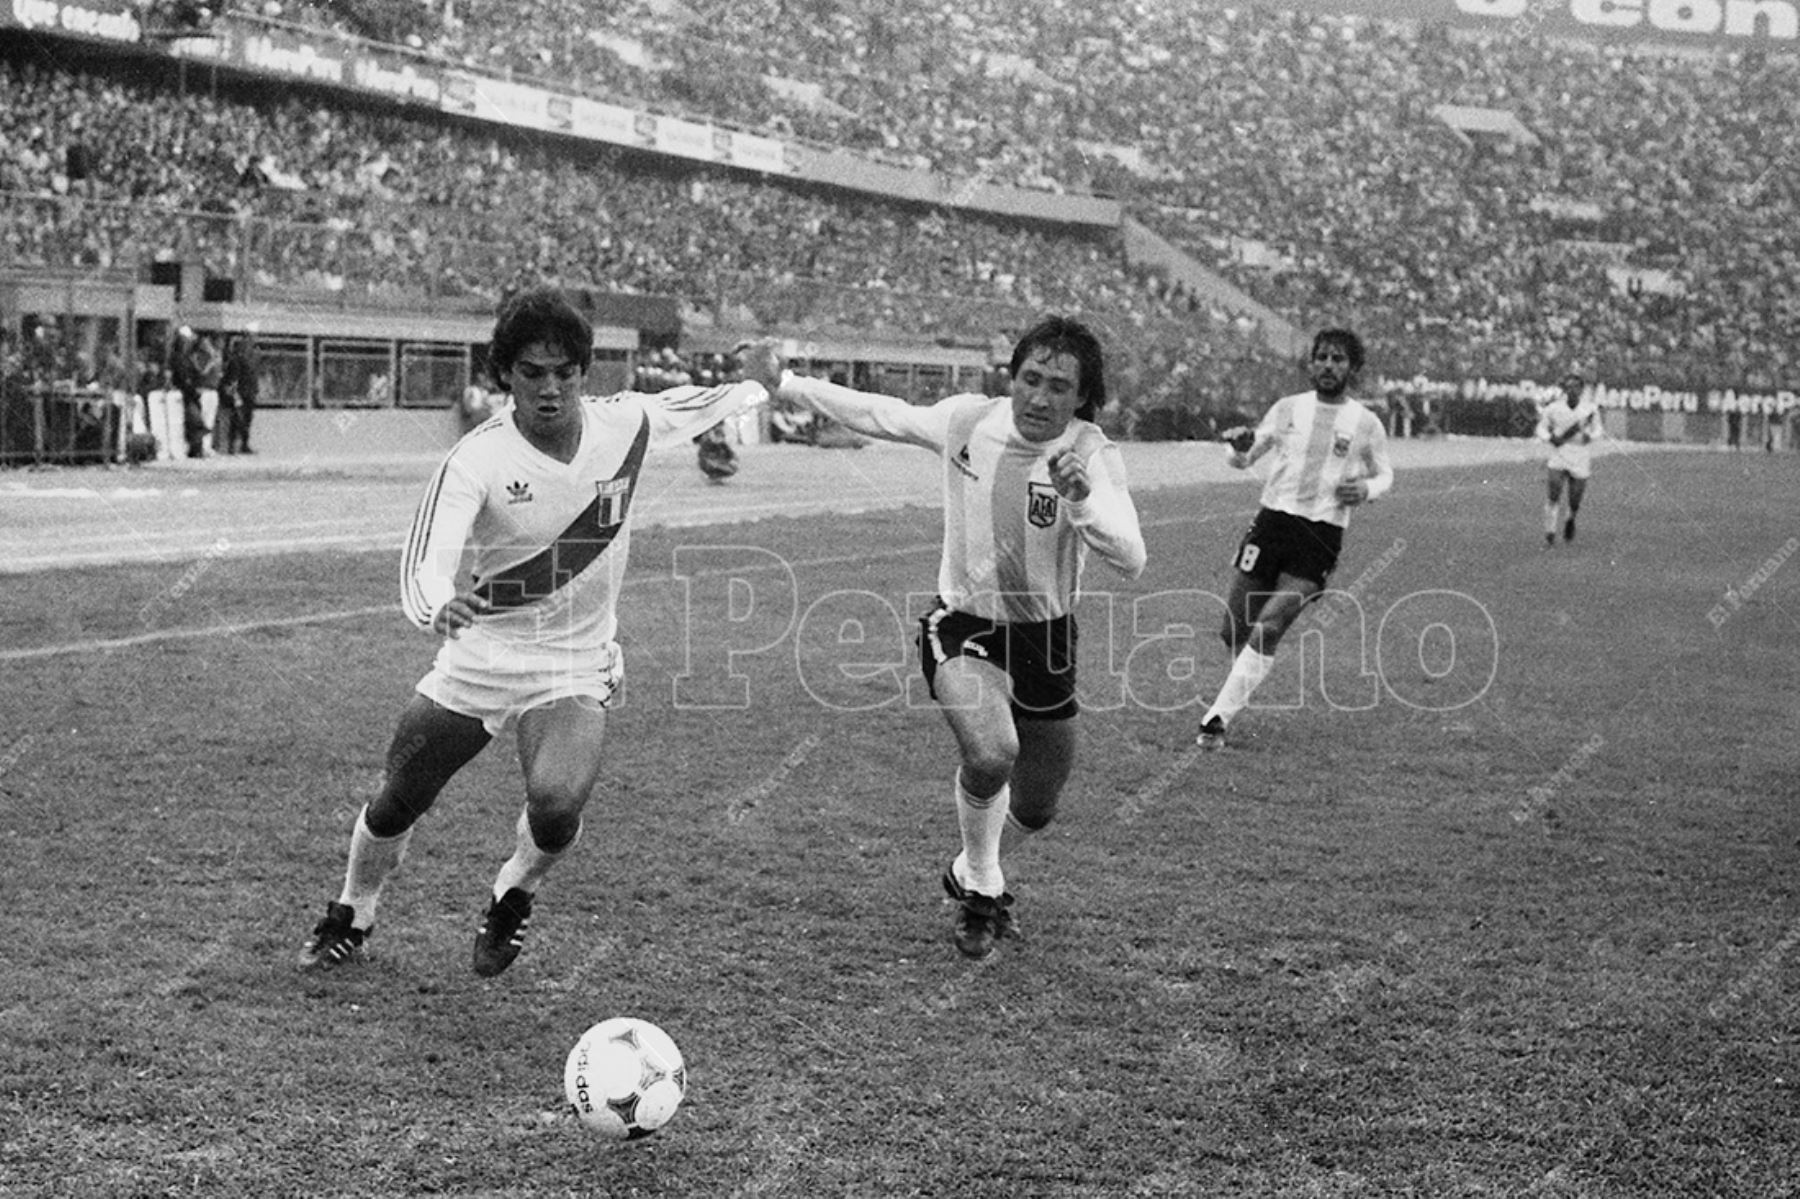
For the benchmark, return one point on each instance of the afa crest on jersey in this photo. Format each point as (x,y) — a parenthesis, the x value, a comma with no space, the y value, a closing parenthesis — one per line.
(1041,511)
(611,501)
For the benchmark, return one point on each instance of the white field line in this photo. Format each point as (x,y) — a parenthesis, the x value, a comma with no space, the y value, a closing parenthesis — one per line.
(181,553)
(107,645)
(280,622)
(102,548)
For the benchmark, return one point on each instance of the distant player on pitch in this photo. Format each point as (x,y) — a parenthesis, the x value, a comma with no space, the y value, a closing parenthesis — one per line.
(1031,486)
(540,495)
(1569,425)
(1330,455)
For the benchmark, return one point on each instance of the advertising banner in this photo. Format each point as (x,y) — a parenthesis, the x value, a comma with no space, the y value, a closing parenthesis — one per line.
(500,100)
(101,20)
(1634,397)
(1720,22)
(315,58)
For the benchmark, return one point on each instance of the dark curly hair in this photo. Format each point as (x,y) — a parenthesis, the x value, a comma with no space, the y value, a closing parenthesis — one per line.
(533,315)
(1349,342)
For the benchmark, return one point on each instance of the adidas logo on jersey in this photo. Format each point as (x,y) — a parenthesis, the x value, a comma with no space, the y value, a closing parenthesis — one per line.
(518,493)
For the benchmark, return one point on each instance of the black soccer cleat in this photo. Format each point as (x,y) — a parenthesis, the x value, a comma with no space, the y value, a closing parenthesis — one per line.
(334,942)
(1212,735)
(502,933)
(981,920)
(1569,529)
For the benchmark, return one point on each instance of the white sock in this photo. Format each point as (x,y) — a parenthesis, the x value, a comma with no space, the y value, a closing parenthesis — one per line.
(1247,674)
(981,822)
(372,859)
(1551,512)
(1013,837)
(529,864)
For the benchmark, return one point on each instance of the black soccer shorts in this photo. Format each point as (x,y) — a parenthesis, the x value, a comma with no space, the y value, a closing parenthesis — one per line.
(1281,543)
(1038,656)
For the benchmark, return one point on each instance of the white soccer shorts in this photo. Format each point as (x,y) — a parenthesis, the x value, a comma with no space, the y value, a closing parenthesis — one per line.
(495,682)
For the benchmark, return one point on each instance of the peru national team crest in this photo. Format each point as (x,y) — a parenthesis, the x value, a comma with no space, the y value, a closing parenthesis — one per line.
(1042,510)
(614,496)
(1340,445)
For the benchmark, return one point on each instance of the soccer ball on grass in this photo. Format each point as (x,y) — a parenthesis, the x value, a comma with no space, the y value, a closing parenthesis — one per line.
(624,1078)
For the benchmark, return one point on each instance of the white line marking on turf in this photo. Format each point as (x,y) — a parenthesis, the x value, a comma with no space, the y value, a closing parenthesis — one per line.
(282,622)
(109,644)
(181,553)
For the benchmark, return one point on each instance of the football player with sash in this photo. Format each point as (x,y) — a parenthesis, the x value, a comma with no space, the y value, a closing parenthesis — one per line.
(1031,486)
(1330,455)
(1569,425)
(539,499)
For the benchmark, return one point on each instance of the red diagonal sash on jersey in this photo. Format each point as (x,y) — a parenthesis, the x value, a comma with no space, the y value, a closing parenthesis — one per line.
(576,547)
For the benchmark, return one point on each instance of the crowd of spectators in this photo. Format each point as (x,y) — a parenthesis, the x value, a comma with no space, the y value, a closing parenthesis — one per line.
(1309,140)
(1308,137)
(298,195)
(302,193)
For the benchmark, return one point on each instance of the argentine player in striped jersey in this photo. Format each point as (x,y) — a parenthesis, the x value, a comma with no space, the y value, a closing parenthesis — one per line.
(1031,486)
(1330,455)
(1569,425)
(537,499)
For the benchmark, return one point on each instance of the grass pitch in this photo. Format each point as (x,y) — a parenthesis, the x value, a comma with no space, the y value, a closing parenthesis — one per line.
(1493,894)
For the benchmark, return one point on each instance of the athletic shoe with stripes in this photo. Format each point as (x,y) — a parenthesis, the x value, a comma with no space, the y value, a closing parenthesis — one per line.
(334,943)
(502,932)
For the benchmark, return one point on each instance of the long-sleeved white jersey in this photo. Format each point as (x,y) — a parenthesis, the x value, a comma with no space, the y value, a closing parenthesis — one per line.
(1013,548)
(545,541)
(1318,446)
(1577,425)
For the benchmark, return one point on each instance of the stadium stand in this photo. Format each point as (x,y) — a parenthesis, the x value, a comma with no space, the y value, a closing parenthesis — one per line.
(1633,215)
(1311,139)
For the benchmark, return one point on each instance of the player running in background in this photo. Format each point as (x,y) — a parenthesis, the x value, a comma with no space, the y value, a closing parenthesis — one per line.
(1330,455)
(1031,485)
(1569,426)
(540,495)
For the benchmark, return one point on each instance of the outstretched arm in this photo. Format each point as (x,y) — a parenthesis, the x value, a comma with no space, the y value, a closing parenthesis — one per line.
(681,413)
(885,417)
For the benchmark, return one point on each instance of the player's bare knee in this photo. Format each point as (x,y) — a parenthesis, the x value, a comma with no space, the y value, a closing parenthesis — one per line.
(554,820)
(987,769)
(397,809)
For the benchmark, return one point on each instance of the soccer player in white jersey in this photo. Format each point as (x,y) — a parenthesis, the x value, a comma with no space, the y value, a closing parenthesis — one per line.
(1031,486)
(1569,425)
(1330,455)
(539,495)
